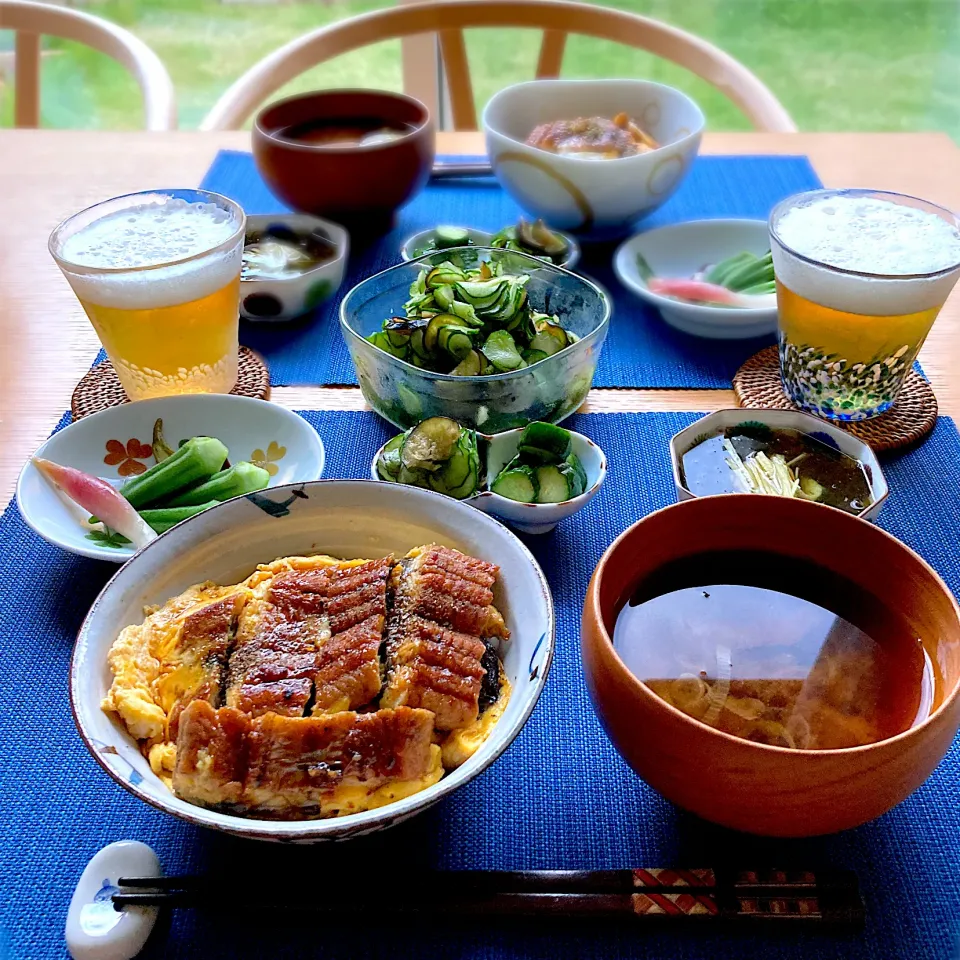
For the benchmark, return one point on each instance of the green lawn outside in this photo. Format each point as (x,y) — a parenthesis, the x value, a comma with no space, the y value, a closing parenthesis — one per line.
(835,64)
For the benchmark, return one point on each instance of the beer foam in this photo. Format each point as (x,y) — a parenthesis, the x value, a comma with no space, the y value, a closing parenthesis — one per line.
(149,236)
(872,236)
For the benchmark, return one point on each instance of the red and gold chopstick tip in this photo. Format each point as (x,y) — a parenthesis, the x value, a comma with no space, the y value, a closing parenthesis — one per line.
(673,877)
(674,904)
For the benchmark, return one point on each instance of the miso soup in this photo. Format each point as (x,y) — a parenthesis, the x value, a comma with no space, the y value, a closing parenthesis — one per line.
(777,651)
(754,458)
(344,131)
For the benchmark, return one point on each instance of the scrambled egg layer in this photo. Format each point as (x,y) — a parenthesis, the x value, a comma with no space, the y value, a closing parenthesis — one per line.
(267,571)
(138,660)
(460,745)
(148,678)
(355,798)
(162,757)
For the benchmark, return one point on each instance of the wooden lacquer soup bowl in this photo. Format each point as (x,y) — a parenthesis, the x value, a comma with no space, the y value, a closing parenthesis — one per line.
(359,186)
(749,786)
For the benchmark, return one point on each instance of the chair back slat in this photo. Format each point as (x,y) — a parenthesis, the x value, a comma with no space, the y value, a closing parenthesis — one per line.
(30,20)
(453,50)
(26,79)
(448,18)
(551,54)
(420,66)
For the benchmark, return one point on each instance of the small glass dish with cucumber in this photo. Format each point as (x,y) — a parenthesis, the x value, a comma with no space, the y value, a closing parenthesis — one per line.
(532,477)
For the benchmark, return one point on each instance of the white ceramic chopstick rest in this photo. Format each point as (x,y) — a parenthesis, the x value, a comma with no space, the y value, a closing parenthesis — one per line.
(95,930)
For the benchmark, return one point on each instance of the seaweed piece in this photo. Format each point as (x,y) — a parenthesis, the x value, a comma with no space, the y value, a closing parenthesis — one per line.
(490,685)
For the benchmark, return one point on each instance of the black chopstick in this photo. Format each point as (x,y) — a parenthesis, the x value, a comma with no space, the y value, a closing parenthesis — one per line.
(768,882)
(449,171)
(828,897)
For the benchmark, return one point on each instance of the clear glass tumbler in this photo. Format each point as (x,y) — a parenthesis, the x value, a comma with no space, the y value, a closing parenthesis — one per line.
(861,276)
(158,274)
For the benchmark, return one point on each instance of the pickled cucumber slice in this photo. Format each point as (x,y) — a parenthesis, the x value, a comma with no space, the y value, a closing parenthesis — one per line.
(451,237)
(546,441)
(519,483)
(501,351)
(552,485)
(429,444)
(388,463)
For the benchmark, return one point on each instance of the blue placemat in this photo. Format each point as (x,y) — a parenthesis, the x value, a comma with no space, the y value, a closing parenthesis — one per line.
(641,350)
(559,797)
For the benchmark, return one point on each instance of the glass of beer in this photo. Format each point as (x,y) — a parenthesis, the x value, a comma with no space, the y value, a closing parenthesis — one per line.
(861,276)
(158,274)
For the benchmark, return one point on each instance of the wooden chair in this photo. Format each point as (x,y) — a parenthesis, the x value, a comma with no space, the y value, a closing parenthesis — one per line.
(447,20)
(31,20)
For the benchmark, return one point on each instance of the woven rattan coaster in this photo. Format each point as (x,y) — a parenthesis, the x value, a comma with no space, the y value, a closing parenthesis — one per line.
(757,384)
(100,387)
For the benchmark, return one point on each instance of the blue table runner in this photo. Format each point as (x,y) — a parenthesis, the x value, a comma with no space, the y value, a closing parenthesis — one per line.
(559,797)
(641,350)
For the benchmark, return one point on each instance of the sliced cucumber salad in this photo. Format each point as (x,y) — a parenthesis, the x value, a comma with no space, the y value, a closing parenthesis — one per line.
(443,238)
(441,455)
(437,454)
(536,239)
(545,469)
(471,323)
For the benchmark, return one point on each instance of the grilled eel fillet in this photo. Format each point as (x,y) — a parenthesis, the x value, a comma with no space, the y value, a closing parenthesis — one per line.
(200,656)
(309,641)
(443,606)
(291,767)
(178,654)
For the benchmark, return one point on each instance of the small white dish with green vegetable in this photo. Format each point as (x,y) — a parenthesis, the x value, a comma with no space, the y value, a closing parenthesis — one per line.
(690,252)
(265,445)
(532,477)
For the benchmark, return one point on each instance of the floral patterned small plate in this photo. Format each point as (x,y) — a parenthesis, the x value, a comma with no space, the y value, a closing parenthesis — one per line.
(118,443)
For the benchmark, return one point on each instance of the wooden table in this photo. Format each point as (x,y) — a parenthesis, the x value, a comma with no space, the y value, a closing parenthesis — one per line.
(47,344)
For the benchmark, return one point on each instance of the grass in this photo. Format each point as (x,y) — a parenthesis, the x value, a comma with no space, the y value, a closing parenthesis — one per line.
(835,64)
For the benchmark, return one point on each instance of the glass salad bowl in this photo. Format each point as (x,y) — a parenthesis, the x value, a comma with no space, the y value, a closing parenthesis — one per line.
(548,389)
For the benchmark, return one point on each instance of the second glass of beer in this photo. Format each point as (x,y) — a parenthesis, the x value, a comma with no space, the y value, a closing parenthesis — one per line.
(861,276)
(158,274)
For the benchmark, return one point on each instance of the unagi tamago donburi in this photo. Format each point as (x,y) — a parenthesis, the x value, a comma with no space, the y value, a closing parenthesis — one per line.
(316,687)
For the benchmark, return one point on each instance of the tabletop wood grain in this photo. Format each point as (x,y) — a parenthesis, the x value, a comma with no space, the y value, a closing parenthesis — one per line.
(46,342)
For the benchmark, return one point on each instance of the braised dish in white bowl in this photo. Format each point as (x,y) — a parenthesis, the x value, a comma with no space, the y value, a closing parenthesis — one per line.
(315,661)
(591,156)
